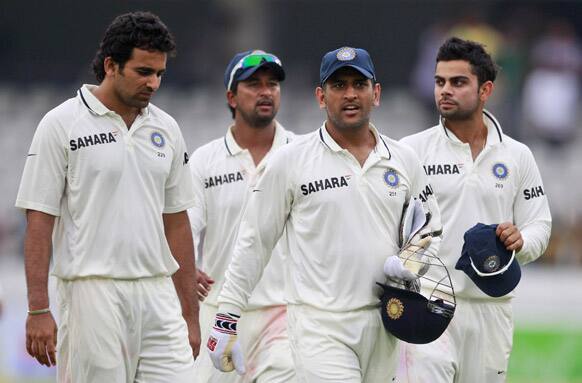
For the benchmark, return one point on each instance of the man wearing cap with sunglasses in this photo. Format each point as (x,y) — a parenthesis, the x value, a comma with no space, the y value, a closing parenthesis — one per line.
(479,174)
(337,195)
(224,171)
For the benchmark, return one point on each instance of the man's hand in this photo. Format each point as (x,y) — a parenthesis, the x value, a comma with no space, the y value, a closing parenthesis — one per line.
(411,263)
(193,334)
(510,235)
(41,338)
(223,345)
(203,284)
(393,268)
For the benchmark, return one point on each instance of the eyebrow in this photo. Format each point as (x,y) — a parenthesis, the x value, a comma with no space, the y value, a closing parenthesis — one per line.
(341,78)
(437,77)
(150,69)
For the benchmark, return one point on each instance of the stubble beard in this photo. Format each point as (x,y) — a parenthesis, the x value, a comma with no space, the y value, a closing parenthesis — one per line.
(130,101)
(341,125)
(255,120)
(460,114)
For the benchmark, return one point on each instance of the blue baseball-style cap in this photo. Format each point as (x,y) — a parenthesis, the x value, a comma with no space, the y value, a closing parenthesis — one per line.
(244,64)
(487,262)
(356,58)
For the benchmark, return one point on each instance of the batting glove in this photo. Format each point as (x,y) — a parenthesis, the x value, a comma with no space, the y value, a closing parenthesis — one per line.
(411,263)
(223,346)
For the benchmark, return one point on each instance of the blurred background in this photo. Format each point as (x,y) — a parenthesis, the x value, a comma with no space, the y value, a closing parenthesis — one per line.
(47,48)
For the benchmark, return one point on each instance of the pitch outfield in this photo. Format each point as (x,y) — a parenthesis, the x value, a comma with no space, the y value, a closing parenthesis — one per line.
(548,356)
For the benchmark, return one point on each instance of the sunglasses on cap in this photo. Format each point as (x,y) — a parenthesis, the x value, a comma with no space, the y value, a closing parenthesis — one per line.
(251,61)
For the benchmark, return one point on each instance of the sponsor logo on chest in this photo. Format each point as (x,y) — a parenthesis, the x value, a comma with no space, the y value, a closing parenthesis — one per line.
(324,184)
(222,179)
(441,169)
(90,140)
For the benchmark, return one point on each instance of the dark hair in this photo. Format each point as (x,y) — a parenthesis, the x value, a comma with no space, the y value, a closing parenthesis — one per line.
(142,30)
(233,88)
(482,64)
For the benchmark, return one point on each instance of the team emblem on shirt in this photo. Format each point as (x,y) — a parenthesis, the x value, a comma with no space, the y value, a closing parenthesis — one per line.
(346,54)
(158,139)
(391,178)
(394,308)
(491,263)
(500,171)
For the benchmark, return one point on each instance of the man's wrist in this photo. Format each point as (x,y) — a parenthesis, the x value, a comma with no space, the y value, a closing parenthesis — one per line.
(40,311)
(229,308)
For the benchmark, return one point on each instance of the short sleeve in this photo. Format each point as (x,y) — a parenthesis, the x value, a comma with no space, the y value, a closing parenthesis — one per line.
(45,171)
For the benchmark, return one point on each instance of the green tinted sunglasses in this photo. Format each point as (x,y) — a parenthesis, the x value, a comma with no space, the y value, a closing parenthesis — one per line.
(252,60)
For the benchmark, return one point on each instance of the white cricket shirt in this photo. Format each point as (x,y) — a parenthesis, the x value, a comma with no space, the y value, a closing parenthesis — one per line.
(108,187)
(503,184)
(223,174)
(341,220)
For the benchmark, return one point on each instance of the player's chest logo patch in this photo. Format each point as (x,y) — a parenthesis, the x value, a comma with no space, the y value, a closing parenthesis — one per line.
(157,139)
(391,178)
(500,171)
(325,184)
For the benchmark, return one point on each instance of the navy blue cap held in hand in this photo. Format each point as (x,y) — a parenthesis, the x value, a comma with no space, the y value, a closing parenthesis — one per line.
(487,262)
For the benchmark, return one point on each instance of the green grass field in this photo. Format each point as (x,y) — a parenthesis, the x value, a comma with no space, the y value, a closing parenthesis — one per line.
(548,356)
(539,356)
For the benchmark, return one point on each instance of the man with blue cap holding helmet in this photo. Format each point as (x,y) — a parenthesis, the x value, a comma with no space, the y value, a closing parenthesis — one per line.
(337,195)
(224,172)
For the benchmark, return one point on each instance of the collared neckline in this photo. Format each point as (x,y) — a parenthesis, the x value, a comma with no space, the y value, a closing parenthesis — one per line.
(494,132)
(233,148)
(381,147)
(94,105)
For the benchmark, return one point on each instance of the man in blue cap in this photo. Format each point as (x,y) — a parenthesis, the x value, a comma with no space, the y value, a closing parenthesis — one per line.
(224,171)
(337,195)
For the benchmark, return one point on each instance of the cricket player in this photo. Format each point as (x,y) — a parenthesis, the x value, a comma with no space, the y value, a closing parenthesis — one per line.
(224,172)
(337,196)
(106,188)
(479,174)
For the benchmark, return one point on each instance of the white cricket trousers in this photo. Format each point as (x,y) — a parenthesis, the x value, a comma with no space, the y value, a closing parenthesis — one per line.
(122,331)
(262,334)
(474,348)
(347,347)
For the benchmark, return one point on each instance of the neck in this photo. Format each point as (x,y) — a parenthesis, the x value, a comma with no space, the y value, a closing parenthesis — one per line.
(248,137)
(105,93)
(258,141)
(472,130)
(350,138)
